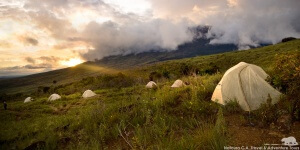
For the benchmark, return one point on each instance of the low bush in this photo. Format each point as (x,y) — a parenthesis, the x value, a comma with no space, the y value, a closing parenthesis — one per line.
(286,77)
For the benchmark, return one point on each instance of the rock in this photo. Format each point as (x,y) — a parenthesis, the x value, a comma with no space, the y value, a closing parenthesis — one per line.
(284,123)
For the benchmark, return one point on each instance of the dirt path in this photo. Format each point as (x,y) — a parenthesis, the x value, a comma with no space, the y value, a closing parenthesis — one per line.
(243,135)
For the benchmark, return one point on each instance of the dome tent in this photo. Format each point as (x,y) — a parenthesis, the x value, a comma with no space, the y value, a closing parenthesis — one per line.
(246,84)
(88,93)
(151,84)
(54,97)
(178,83)
(28,99)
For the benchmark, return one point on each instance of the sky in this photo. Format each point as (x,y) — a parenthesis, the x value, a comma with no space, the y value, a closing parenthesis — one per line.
(43,35)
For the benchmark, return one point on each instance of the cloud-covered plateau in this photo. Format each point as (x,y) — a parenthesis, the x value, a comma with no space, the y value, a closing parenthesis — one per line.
(110,38)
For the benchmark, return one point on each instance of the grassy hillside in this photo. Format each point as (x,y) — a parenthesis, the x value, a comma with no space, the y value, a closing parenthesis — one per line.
(126,115)
(32,82)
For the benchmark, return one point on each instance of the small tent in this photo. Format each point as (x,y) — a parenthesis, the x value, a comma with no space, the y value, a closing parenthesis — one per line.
(28,99)
(88,93)
(151,84)
(246,84)
(178,83)
(54,97)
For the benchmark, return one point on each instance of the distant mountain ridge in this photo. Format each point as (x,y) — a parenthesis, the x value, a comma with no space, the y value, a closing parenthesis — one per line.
(199,46)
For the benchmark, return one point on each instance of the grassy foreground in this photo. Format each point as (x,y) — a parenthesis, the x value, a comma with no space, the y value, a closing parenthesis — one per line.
(125,115)
(132,117)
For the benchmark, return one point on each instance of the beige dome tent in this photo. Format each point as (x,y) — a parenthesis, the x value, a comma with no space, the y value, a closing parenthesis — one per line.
(54,97)
(28,99)
(151,84)
(178,83)
(246,84)
(88,93)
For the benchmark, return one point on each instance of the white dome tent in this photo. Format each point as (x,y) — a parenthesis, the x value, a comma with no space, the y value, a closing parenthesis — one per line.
(28,99)
(178,83)
(151,84)
(54,97)
(246,84)
(88,93)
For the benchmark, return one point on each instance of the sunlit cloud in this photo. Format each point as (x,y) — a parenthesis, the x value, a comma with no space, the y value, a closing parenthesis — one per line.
(82,16)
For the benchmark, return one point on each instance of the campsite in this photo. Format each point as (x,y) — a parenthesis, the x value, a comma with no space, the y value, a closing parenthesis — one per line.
(149,75)
(122,113)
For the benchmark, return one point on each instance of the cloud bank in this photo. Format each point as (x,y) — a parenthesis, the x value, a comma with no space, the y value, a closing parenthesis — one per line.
(110,38)
(242,22)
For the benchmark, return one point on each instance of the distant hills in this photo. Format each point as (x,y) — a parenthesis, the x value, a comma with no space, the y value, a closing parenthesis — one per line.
(61,76)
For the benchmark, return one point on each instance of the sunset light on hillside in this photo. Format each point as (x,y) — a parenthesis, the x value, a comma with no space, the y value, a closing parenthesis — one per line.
(72,62)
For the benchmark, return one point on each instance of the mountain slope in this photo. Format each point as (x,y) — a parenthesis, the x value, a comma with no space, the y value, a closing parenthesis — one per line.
(61,76)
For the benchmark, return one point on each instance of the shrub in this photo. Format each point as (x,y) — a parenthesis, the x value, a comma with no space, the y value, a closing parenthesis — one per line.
(155,76)
(166,74)
(187,68)
(43,89)
(286,77)
(232,107)
(211,69)
(266,114)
